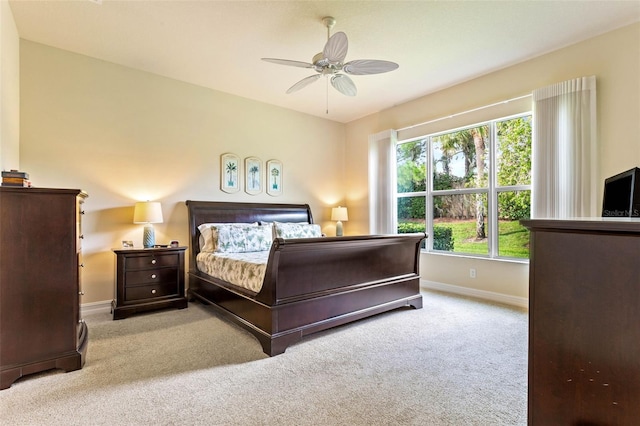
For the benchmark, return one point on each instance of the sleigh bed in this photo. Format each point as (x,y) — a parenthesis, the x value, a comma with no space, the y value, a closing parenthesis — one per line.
(309,284)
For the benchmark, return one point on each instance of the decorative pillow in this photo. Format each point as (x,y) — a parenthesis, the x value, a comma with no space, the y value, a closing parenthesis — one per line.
(258,238)
(229,238)
(207,241)
(273,228)
(297,230)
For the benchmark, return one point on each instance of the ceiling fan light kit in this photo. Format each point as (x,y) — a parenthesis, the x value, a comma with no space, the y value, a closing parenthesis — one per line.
(330,63)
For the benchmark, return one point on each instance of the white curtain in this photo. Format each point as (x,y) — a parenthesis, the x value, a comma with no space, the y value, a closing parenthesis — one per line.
(564,163)
(382,182)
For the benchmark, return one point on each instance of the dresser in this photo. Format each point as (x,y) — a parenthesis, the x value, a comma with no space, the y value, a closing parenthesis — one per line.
(584,322)
(40,263)
(148,279)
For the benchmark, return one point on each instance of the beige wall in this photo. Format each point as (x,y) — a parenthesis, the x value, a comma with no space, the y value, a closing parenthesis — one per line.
(124,135)
(9,90)
(615,60)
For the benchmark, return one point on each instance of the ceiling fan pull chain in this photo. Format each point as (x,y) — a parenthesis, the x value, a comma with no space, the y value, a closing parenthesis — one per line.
(327,95)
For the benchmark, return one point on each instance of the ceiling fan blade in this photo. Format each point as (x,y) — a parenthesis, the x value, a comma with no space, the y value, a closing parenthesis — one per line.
(303,83)
(368,66)
(336,48)
(344,85)
(289,63)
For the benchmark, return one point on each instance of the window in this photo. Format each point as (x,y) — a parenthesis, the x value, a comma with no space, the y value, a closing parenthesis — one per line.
(468,188)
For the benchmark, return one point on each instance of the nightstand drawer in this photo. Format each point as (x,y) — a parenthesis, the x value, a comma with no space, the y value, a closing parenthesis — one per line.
(149,276)
(150,291)
(142,262)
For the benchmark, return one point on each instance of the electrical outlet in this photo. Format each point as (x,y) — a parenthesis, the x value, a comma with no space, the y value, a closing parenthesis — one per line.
(472,272)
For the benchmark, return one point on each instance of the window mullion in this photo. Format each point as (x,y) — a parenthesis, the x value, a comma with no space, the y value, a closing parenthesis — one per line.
(493,195)
(461,191)
(513,188)
(429,197)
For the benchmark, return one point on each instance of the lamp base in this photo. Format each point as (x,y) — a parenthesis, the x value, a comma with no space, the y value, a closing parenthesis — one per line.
(339,229)
(149,236)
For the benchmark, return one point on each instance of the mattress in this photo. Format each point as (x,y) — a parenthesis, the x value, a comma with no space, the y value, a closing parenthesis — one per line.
(245,270)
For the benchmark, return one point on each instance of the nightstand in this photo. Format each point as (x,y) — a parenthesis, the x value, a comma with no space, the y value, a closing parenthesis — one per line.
(148,279)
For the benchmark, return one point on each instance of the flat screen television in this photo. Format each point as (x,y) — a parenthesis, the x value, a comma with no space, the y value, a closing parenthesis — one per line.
(622,195)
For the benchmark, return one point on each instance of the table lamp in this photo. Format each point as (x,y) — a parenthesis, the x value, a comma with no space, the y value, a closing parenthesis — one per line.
(339,214)
(148,212)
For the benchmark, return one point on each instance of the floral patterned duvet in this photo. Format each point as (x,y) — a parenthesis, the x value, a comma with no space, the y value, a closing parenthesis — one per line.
(242,269)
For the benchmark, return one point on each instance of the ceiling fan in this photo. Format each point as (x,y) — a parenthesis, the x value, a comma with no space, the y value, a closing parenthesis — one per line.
(330,63)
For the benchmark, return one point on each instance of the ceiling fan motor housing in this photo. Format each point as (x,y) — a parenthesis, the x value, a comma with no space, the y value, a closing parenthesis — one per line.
(324,66)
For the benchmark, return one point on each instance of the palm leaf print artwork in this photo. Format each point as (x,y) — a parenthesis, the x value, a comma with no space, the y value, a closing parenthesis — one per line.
(253,175)
(232,170)
(253,171)
(229,173)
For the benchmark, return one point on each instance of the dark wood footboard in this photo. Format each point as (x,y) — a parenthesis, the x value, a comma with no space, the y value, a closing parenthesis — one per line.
(311,284)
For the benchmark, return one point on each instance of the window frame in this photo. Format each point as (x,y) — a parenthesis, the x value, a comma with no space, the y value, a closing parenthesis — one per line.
(492,189)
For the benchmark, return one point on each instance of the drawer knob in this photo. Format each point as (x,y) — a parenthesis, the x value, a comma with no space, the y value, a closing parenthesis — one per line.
(153,291)
(153,261)
(153,276)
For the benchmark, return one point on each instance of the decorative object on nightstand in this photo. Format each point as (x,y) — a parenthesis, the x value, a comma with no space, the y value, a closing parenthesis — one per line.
(148,213)
(340,214)
(148,279)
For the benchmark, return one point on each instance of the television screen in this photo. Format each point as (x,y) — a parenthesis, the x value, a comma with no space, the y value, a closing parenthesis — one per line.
(622,195)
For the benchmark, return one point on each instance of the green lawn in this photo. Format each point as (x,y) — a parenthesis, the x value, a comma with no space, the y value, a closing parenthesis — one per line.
(513,238)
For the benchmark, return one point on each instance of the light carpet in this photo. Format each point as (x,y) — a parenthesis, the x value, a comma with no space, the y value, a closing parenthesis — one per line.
(457,361)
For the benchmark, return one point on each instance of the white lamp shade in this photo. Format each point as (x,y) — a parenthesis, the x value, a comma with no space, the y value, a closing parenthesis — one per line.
(147,212)
(339,213)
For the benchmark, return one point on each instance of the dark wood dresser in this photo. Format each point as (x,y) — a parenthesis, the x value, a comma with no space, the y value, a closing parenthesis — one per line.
(40,261)
(148,279)
(584,322)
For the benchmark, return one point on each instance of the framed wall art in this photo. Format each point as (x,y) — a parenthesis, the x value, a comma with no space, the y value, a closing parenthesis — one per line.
(274,177)
(229,173)
(253,175)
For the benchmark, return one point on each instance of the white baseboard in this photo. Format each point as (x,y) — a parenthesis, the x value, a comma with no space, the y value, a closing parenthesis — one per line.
(521,302)
(95,307)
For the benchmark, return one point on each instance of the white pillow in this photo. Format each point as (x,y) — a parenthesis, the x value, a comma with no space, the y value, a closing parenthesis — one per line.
(297,230)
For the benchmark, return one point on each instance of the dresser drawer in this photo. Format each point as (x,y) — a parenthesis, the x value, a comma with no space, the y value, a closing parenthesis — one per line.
(150,276)
(150,291)
(142,262)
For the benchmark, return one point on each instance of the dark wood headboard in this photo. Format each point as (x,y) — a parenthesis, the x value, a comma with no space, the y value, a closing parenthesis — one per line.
(224,212)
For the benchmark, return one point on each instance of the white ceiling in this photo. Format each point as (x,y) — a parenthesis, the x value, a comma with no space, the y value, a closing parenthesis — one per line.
(218,44)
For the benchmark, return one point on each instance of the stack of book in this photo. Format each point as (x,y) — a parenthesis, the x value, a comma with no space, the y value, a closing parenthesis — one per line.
(15,178)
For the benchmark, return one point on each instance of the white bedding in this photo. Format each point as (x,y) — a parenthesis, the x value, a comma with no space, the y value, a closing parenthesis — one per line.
(242,269)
